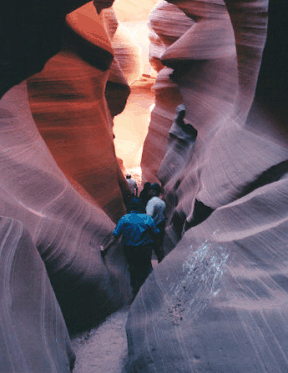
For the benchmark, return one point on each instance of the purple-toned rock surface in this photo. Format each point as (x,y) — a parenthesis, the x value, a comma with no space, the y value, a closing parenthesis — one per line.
(33,333)
(167,24)
(65,223)
(66,227)
(47,210)
(218,301)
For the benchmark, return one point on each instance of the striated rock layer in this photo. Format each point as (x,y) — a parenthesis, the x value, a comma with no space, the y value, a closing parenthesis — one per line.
(218,301)
(33,334)
(66,227)
(167,24)
(50,210)
(69,106)
(67,100)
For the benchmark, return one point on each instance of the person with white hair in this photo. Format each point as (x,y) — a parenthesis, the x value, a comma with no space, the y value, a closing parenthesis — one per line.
(132,185)
(156,208)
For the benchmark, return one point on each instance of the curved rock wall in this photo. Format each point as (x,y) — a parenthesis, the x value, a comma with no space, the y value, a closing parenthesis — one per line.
(69,106)
(55,211)
(72,115)
(33,334)
(164,18)
(66,226)
(218,301)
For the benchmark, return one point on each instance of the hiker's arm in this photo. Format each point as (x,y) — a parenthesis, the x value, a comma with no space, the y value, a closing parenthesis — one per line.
(105,249)
(112,239)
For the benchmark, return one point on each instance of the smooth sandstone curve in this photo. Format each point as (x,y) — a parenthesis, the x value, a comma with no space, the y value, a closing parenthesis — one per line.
(217,302)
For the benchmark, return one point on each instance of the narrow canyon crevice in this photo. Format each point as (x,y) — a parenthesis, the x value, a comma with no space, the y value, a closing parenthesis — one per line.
(77,112)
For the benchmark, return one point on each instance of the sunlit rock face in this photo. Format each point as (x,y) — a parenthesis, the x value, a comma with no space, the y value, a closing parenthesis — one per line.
(47,207)
(126,65)
(69,106)
(66,226)
(218,301)
(68,103)
(167,23)
(133,10)
(127,54)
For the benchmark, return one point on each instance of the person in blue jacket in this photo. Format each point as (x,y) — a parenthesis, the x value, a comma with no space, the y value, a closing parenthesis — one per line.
(139,234)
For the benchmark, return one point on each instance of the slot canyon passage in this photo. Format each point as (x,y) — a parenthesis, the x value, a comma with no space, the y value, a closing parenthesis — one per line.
(74,74)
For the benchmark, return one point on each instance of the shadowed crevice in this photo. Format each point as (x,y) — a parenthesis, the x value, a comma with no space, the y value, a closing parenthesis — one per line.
(269,176)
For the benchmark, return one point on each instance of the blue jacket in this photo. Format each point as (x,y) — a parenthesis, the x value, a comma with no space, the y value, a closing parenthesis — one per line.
(136,229)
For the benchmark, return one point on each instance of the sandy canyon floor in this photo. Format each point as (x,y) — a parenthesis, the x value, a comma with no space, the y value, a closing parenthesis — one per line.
(104,348)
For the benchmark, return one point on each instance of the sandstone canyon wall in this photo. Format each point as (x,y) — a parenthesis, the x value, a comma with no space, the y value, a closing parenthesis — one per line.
(54,192)
(218,301)
(72,100)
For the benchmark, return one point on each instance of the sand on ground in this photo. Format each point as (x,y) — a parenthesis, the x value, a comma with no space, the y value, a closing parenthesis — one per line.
(103,348)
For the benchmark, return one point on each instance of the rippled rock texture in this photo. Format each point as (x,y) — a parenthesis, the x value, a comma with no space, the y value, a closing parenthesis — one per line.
(167,24)
(33,333)
(56,194)
(70,101)
(70,108)
(218,301)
